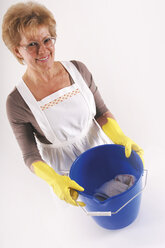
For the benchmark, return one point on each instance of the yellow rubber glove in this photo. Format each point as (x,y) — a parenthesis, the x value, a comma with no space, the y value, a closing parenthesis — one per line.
(114,132)
(63,186)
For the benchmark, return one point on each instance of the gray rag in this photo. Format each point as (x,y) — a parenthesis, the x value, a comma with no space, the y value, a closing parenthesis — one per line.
(114,187)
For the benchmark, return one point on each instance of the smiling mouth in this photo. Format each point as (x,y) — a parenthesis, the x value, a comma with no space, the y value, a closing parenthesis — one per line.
(43,59)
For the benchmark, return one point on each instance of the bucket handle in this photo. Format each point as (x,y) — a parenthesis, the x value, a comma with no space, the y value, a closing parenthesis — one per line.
(109,213)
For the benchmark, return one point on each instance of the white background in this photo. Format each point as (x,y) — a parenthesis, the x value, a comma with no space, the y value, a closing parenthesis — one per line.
(122,42)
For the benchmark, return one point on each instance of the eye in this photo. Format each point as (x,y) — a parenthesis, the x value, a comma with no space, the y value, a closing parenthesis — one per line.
(47,40)
(33,44)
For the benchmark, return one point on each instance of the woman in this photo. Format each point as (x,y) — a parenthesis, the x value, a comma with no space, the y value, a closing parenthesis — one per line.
(55,111)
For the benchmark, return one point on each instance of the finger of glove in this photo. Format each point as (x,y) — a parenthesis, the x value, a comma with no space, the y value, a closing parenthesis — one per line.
(74,203)
(74,194)
(141,152)
(137,148)
(76,186)
(128,150)
(82,204)
(69,199)
(66,196)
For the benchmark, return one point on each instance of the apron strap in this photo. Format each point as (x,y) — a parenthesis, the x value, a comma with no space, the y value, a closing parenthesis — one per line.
(37,112)
(85,91)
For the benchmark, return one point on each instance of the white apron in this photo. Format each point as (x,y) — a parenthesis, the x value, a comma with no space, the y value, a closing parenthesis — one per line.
(66,118)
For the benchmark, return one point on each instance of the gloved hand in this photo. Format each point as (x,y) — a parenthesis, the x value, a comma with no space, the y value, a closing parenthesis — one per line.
(63,186)
(114,132)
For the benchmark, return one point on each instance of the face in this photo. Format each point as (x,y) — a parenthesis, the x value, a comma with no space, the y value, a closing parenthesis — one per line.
(43,58)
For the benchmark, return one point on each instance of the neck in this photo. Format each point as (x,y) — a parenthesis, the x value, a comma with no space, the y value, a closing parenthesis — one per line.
(41,77)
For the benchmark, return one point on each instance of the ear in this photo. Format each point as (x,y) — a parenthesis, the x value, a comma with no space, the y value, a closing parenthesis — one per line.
(17,52)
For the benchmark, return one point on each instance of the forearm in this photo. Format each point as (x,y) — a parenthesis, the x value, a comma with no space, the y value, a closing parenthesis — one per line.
(32,165)
(111,128)
(102,120)
(65,188)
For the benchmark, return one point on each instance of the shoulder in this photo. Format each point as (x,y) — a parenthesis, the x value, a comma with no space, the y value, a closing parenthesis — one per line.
(14,98)
(15,104)
(13,93)
(82,68)
(85,73)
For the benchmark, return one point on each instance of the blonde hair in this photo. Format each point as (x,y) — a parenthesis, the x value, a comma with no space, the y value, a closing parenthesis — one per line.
(21,16)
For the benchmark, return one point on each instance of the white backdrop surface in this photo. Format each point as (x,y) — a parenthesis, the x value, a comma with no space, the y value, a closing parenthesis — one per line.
(123,45)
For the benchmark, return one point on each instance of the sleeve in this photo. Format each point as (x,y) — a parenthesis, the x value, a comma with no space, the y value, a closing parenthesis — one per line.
(101,108)
(23,131)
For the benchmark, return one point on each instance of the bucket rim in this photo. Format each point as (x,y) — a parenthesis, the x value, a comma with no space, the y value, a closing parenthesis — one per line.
(98,147)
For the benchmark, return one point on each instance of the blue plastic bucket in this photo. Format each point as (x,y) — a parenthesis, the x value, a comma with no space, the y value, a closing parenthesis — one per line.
(99,165)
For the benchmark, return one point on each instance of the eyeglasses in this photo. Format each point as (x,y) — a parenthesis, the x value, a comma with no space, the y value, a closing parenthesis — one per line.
(33,47)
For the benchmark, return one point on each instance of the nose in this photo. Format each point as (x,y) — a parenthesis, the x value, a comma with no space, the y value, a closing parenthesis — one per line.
(41,48)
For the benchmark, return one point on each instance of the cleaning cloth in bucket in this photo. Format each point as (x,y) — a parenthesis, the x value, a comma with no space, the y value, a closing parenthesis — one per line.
(114,187)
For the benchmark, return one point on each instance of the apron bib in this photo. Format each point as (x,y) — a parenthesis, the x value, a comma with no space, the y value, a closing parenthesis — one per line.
(66,118)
